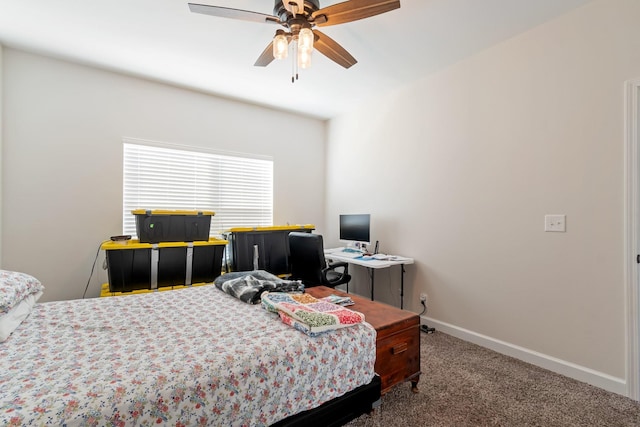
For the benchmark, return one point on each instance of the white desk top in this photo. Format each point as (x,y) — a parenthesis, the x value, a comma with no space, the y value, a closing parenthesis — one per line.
(338,255)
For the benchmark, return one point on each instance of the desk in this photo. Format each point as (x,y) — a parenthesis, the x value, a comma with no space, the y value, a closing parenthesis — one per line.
(372,265)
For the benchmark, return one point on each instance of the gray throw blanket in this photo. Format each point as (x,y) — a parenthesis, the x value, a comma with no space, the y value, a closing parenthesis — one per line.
(248,286)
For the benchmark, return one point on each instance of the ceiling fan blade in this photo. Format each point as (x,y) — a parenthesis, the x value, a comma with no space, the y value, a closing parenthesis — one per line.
(352,10)
(332,50)
(265,57)
(226,12)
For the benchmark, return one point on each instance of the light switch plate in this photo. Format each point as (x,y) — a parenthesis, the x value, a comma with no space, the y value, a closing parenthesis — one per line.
(555,223)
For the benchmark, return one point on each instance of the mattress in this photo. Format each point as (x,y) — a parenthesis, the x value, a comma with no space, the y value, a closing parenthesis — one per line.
(195,356)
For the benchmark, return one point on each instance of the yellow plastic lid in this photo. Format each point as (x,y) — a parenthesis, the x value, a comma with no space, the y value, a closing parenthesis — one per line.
(274,228)
(135,244)
(169,212)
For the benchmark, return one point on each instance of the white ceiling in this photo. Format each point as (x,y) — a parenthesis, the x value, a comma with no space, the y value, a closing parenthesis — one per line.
(163,40)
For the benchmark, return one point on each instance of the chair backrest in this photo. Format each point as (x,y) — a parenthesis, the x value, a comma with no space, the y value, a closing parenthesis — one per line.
(306,257)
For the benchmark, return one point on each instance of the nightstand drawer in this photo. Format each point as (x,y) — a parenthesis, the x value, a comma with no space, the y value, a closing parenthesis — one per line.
(398,357)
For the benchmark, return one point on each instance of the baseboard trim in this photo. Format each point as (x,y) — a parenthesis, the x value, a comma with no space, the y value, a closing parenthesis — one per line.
(571,370)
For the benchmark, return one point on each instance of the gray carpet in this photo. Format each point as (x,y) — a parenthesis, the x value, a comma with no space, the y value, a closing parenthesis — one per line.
(463,384)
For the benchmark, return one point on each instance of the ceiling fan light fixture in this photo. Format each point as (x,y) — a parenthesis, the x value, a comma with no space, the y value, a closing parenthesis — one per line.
(304,58)
(280,45)
(305,39)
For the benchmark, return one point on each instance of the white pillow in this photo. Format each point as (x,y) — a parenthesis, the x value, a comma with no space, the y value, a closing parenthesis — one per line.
(10,321)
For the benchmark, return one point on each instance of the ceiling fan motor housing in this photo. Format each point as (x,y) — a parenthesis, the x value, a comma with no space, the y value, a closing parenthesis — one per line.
(283,8)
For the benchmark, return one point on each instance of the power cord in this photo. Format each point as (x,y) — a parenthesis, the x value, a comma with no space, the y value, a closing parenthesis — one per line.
(425,328)
(424,307)
(93,268)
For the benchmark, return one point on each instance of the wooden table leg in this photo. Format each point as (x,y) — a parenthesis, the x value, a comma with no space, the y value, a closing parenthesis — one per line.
(414,385)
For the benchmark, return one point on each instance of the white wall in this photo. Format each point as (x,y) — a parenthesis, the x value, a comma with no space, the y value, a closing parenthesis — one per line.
(62,159)
(463,165)
(1,144)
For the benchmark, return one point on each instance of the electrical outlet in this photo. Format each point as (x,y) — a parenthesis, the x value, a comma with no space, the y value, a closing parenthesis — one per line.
(423,297)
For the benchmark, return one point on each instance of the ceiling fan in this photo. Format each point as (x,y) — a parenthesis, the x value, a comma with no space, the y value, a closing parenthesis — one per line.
(299,18)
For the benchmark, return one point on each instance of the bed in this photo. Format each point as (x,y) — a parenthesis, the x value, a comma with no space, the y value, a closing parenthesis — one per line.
(195,356)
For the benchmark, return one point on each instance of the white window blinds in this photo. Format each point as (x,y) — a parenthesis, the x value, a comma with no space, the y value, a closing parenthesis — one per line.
(157,176)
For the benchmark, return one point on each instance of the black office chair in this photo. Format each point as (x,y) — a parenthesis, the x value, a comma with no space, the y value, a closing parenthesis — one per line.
(309,265)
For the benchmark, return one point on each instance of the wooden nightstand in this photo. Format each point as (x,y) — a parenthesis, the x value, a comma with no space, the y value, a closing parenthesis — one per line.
(397,342)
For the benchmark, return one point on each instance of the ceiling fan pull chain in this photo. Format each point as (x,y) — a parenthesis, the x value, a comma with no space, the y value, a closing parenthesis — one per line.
(293,64)
(294,61)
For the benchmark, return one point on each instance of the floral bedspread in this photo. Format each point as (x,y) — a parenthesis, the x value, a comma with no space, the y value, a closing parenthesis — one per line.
(194,356)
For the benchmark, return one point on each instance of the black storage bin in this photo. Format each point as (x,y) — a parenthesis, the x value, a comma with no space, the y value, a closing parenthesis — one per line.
(132,265)
(172,266)
(271,243)
(155,226)
(207,262)
(128,270)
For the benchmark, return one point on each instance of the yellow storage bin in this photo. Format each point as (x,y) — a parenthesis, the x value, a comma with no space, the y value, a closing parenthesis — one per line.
(134,266)
(155,226)
(264,247)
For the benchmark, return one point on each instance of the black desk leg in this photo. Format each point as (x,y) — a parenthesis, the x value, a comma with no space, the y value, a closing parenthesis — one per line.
(401,286)
(372,271)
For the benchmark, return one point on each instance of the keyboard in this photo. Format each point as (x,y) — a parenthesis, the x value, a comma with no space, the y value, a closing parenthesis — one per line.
(344,252)
(349,254)
(357,251)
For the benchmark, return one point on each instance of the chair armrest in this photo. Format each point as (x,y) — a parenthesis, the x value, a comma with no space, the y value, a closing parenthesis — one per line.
(338,264)
(334,265)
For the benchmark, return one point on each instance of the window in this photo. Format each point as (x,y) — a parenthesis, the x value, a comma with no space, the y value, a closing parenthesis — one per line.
(161,176)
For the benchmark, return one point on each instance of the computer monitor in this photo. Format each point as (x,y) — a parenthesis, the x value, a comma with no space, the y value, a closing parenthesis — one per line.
(355,228)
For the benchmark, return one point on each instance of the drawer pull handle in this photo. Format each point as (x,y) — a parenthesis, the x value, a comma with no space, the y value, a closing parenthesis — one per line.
(399,348)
